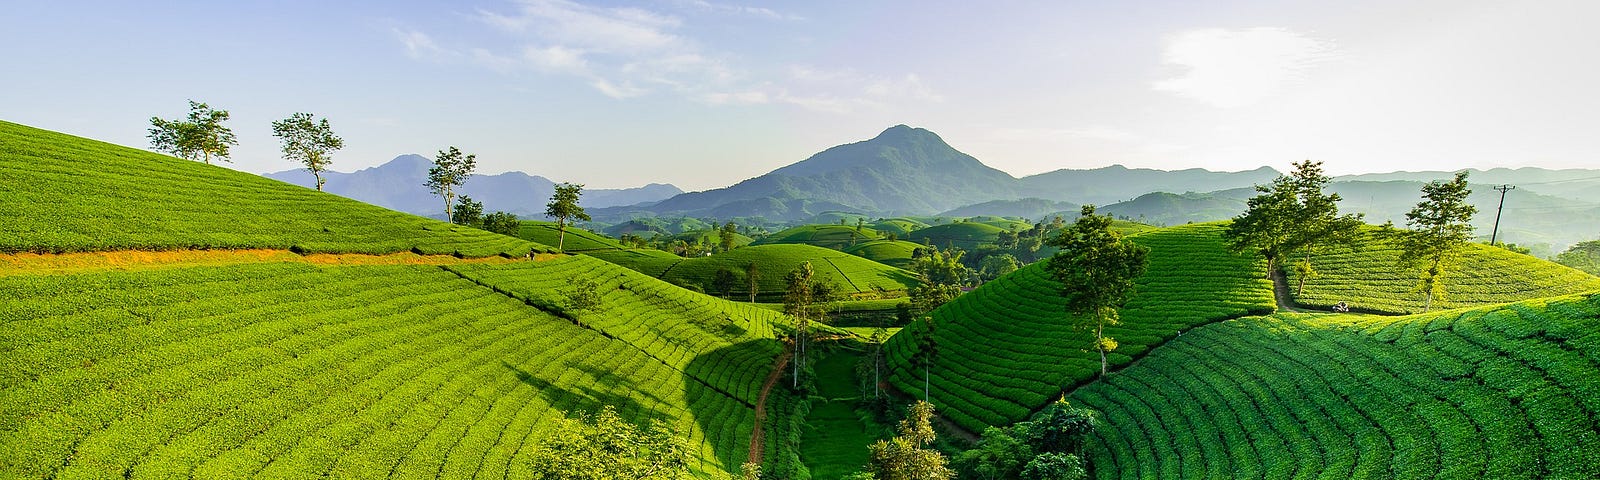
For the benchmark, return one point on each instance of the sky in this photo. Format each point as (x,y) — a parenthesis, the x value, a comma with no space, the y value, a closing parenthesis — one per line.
(705,93)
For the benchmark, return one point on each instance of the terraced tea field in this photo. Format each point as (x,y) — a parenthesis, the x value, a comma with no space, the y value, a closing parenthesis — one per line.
(967,235)
(854,275)
(835,237)
(285,370)
(1499,392)
(1006,349)
(1369,279)
(70,194)
(894,253)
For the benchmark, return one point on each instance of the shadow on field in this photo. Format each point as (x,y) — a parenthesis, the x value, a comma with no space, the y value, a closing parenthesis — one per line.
(722,388)
(578,399)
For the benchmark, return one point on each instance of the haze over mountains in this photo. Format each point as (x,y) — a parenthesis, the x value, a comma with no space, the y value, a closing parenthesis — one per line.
(398,186)
(912,171)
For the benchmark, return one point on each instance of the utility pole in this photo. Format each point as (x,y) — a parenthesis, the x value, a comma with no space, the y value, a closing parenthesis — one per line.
(1502,189)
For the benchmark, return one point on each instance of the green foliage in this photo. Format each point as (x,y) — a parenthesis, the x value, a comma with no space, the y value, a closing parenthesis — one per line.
(904,456)
(199,137)
(996,266)
(1366,277)
(1055,466)
(1439,228)
(1096,268)
(582,295)
(941,268)
(966,236)
(728,236)
(449,171)
(1001,354)
(853,275)
(1583,256)
(297,371)
(1060,428)
(1508,391)
(502,223)
(894,253)
(1291,215)
(311,143)
(836,237)
(563,206)
(998,455)
(107,197)
(468,212)
(604,446)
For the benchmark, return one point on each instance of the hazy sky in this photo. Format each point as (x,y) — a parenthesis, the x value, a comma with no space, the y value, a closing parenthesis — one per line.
(704,93)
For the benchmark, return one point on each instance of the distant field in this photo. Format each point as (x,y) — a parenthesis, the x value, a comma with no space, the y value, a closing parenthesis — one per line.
(851,273)
(894,253)
(292,370)
(70,194)
(1369,278)
(1501,392)
(1005,348)
(967,236)
(897,226)
(835,237)
(577,240)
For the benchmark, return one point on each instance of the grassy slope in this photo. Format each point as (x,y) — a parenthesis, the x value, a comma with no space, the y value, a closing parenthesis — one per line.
(1005,348)
(1498,392)
(967,235)
(836,237)
(898,226)
(894,253)
(853,274)
(290,370)
(69,194)
(577,240)
(1369,278)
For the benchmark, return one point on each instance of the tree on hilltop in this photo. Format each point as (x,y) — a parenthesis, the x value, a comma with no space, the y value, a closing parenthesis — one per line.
(727,235)
(564,206)
(450,170)
(467,212)
(1096,268)
(1439,229)
(309,142)
(1292,215)
(201,136)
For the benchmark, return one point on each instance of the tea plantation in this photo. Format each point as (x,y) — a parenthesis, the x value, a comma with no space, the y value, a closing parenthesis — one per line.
(70,194)
(1368,278)
(1005,348)
(1495,392)
(852,274)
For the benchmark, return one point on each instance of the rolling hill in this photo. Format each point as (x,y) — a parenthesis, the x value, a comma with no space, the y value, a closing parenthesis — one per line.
(1507,391)
(70,194)
(836,237)
(377,362)
(853,275)
(1006,349)
(894,253)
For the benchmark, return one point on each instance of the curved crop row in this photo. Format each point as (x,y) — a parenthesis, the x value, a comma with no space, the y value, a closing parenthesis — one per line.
(1006,348)
(70,194)
(1368,277)
(850,273)
(1497,392)
(295,371)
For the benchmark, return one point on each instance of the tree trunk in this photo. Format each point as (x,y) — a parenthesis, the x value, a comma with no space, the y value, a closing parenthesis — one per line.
(1100,342)
(561,238)
(925,382)
(1302,284)
(319,179)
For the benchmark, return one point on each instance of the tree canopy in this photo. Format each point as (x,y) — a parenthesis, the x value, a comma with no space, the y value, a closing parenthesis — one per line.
(1096,268)
(563,206)
(1438,228)
(449,171)
(1292,214)
(604,446)
(201,136)
(308,141)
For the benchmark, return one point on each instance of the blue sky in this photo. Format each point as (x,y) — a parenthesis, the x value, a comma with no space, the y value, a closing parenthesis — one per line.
(704,93)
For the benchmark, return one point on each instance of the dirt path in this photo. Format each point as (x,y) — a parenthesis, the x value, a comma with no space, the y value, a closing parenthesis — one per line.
(758,437)
(1280,292)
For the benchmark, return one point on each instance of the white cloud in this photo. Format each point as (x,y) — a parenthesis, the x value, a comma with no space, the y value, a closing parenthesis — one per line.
(419,45)
(741,10)
(1235,68)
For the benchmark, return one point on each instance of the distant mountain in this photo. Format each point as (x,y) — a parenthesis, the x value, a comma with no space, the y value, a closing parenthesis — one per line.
(1162,208)
(1116,183)
(903,170)
(1576,184)
(1029,208)
(398,185)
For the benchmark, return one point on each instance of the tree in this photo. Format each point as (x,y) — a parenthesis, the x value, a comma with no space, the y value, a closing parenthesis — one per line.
(1060,428)
(450,170)
(1265,226)
(1438,229)
(996,266)
(582,295)
(999,454)
(502,223)
(905,457)
(309,142)
(872,363)
(603,446)
(724,281)
(1317,222)
(1054,466)
(728,234)
(752,278)
(564,206)
(927,351)
(806,299)
(1096,268)
(199,137)
(1583,256)
(467,212)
